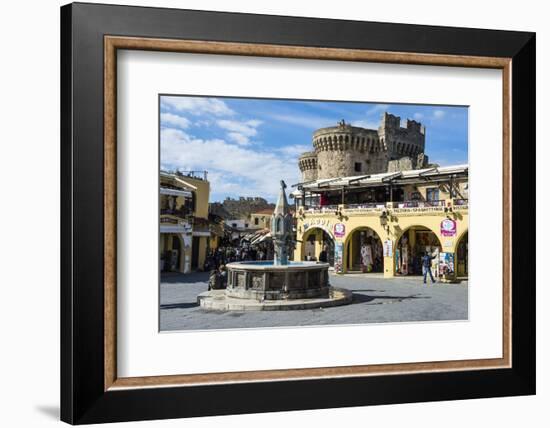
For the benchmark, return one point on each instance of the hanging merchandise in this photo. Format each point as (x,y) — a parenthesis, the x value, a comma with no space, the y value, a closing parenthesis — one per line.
(446,264)
(398,259)
(338,253)
(368,257)
(405,260)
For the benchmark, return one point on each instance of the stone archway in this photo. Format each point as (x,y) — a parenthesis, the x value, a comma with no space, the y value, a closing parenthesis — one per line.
(411,245)
(461,254)
(313,242)
(172,252)
(363,251)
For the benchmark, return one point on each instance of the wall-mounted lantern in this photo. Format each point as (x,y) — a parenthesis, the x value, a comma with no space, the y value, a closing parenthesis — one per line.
(384,221)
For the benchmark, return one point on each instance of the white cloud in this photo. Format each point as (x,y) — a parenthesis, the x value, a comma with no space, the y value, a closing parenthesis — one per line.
(378,108)
(247,128)
(295,150)
(204,122)
(240,131)
(368,124)
(197,105)
(438,114)
(232,169)
(174,119)
(240,139)
(307,121)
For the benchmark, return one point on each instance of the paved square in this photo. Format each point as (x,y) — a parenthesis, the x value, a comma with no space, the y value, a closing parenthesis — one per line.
(375,300)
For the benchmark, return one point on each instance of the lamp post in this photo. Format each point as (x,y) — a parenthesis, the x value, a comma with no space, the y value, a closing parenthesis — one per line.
(384,221)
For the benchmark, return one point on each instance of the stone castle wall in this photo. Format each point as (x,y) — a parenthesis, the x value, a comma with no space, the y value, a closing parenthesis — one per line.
(346,150)
(308,166)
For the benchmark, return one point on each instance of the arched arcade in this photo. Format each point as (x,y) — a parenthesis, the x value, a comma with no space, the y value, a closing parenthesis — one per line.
(412,244)
(316,240)
(363,251)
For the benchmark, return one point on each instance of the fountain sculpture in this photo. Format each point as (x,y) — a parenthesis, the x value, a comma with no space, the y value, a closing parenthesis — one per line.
(278,284)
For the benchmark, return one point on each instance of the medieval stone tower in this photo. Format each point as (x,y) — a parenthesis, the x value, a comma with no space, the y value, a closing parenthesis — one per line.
(345,150)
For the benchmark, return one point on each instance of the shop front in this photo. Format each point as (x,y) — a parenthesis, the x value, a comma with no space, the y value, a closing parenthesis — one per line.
(317,245)
(363,251)
(172,254)
(175,246)
(413,244)
(462,256)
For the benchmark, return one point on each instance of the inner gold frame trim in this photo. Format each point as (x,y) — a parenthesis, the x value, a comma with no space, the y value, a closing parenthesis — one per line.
(113,43)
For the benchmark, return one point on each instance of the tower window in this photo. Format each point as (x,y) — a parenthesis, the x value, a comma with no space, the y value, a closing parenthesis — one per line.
(358,167)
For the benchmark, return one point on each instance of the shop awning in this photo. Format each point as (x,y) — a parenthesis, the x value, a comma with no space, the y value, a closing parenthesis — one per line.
(373,180)
(175,228)
(175,192)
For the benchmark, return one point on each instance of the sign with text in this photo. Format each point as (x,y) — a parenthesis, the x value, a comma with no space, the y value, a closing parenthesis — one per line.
(448,227)
(339,230)
(446,264)
(338,257)
(388,248)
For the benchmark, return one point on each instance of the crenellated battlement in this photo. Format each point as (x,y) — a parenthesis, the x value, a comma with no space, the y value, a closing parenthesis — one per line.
(346,150)
(347,138)
(308,166)
(308,161)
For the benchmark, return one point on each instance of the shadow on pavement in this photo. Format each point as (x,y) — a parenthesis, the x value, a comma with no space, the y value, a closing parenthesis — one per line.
(363,298)
(179,305)
(175,277)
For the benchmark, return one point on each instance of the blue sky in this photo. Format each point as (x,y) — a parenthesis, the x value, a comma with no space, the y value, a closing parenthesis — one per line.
(248,145)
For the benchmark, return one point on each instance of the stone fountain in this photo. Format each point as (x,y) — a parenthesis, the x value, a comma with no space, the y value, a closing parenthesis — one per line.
(278,284)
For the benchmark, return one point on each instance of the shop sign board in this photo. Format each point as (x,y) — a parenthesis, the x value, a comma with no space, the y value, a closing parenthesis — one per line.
(338,257)
(323,224)
(446,264)
(448,227)
(448,243)
(388,248)
(339,230)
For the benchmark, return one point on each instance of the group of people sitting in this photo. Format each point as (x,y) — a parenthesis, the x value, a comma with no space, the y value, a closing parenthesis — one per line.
(218,279)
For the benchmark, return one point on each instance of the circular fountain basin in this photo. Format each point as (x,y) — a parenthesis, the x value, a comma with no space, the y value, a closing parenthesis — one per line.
(265,286)
(266,281)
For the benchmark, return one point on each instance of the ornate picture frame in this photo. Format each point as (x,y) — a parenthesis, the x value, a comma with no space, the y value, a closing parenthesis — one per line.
(92,391)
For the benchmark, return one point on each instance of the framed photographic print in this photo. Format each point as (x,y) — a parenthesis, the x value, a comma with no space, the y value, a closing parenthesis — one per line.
(266,213)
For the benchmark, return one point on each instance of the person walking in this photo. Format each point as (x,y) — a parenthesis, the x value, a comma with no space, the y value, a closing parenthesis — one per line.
(426,266)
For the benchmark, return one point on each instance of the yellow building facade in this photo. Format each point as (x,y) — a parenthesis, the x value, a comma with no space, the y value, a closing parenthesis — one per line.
(184,226)
(261,219)
(386,222)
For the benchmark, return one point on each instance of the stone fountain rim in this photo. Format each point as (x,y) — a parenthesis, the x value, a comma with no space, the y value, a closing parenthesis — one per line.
(251,266)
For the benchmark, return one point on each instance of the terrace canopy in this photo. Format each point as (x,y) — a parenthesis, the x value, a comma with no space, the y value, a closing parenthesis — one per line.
(435,174)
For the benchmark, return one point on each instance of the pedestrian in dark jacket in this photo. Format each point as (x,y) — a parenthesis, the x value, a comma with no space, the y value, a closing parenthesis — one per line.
(427,265)
(323,256)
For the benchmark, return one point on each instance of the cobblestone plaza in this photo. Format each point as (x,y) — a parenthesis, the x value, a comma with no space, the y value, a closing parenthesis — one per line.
(375,300)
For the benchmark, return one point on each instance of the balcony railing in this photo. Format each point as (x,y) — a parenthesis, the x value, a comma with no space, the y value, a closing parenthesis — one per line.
(436,205)
(365,206)
(181,212)
(460,203)
(419,204)
(321,209)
